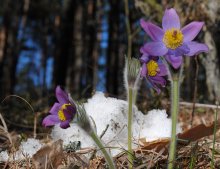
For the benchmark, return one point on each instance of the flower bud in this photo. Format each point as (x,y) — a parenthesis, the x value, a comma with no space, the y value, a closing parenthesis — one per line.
(131,72)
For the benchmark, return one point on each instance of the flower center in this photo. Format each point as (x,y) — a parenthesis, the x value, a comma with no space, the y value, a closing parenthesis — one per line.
(173,38)
(152,68)
(61,114)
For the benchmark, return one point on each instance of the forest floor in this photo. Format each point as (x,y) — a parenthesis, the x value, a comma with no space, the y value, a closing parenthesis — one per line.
(197,154)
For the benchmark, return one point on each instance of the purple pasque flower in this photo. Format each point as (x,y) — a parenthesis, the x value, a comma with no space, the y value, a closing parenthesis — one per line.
(173,41)
(61,112)
(153,71)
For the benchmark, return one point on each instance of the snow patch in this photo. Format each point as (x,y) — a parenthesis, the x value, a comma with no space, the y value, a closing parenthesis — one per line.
(4,156)
(112,113)
(157,125)
(26,149)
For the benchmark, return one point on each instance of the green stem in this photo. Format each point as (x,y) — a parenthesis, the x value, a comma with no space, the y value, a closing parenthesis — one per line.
(130,114)
(102,148)
(174,115)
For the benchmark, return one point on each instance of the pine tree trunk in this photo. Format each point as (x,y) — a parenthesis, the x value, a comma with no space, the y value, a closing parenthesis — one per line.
(10,53)
(64,40)
(113,49)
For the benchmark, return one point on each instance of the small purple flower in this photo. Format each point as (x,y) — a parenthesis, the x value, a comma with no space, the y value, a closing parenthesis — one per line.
(153,71)
(62,112)
(172,41)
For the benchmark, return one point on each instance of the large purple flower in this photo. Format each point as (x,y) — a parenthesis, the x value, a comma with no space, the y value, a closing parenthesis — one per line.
(62,112)
(172,41)
(153,71)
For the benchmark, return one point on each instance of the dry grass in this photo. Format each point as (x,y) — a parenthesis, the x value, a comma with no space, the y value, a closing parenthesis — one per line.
(197,155)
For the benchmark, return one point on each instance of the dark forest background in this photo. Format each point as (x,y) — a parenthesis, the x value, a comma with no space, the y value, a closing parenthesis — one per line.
(81,45)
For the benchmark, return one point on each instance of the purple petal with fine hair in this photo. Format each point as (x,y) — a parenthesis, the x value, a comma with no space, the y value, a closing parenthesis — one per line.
(155,32)
(155,86)
(159,80)
(50,120)
(196,48)
(182,50)
(155,48)
(55,108)
(170,19)
(65,124)
(144,58)
(143,70)
(156,82)
(142,50)
(61,95)
(191,30)
(163,70)
(69,112)
(175,61)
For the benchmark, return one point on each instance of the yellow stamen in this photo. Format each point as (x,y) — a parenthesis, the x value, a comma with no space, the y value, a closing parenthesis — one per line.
(173,38)
(152,68)
(61,114)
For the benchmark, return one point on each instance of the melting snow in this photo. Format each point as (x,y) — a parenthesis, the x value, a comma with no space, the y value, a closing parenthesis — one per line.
(112,113)
(26,149)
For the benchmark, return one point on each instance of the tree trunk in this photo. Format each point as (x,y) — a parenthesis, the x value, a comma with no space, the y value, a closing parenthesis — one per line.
(75,61)
(10,54)
(113,49)
(210,62)
(90,54)
(63,38)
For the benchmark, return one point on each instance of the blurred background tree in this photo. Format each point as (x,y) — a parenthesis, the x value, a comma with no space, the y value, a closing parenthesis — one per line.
(81,45)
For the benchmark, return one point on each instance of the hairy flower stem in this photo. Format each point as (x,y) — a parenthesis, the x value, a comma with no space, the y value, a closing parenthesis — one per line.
(174,115)
(130,117)
(102,148)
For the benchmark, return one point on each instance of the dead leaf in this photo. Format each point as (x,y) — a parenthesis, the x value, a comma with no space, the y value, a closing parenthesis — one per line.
(97,163)
(50,156)
(192,134)
(198,132)
(157,145)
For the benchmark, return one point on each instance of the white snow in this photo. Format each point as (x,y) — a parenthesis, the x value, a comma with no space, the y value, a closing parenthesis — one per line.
(26,149)
(113,112)
(157,125)
(105,111)
(30,147)
(4,156)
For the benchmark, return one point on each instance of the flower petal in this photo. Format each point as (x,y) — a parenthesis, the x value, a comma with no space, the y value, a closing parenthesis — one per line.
(155,86)
(191,30)
(55,108)
(156,82)
(50,120)
(183,50)
(159,80)
(170,19)
(69,112)
(196,48)
(143,70)
(163,70)
(61,95)
(155,48)
(155,32)
(180,51)
(144,58)
(175,61)
(65,124)
(142,50)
